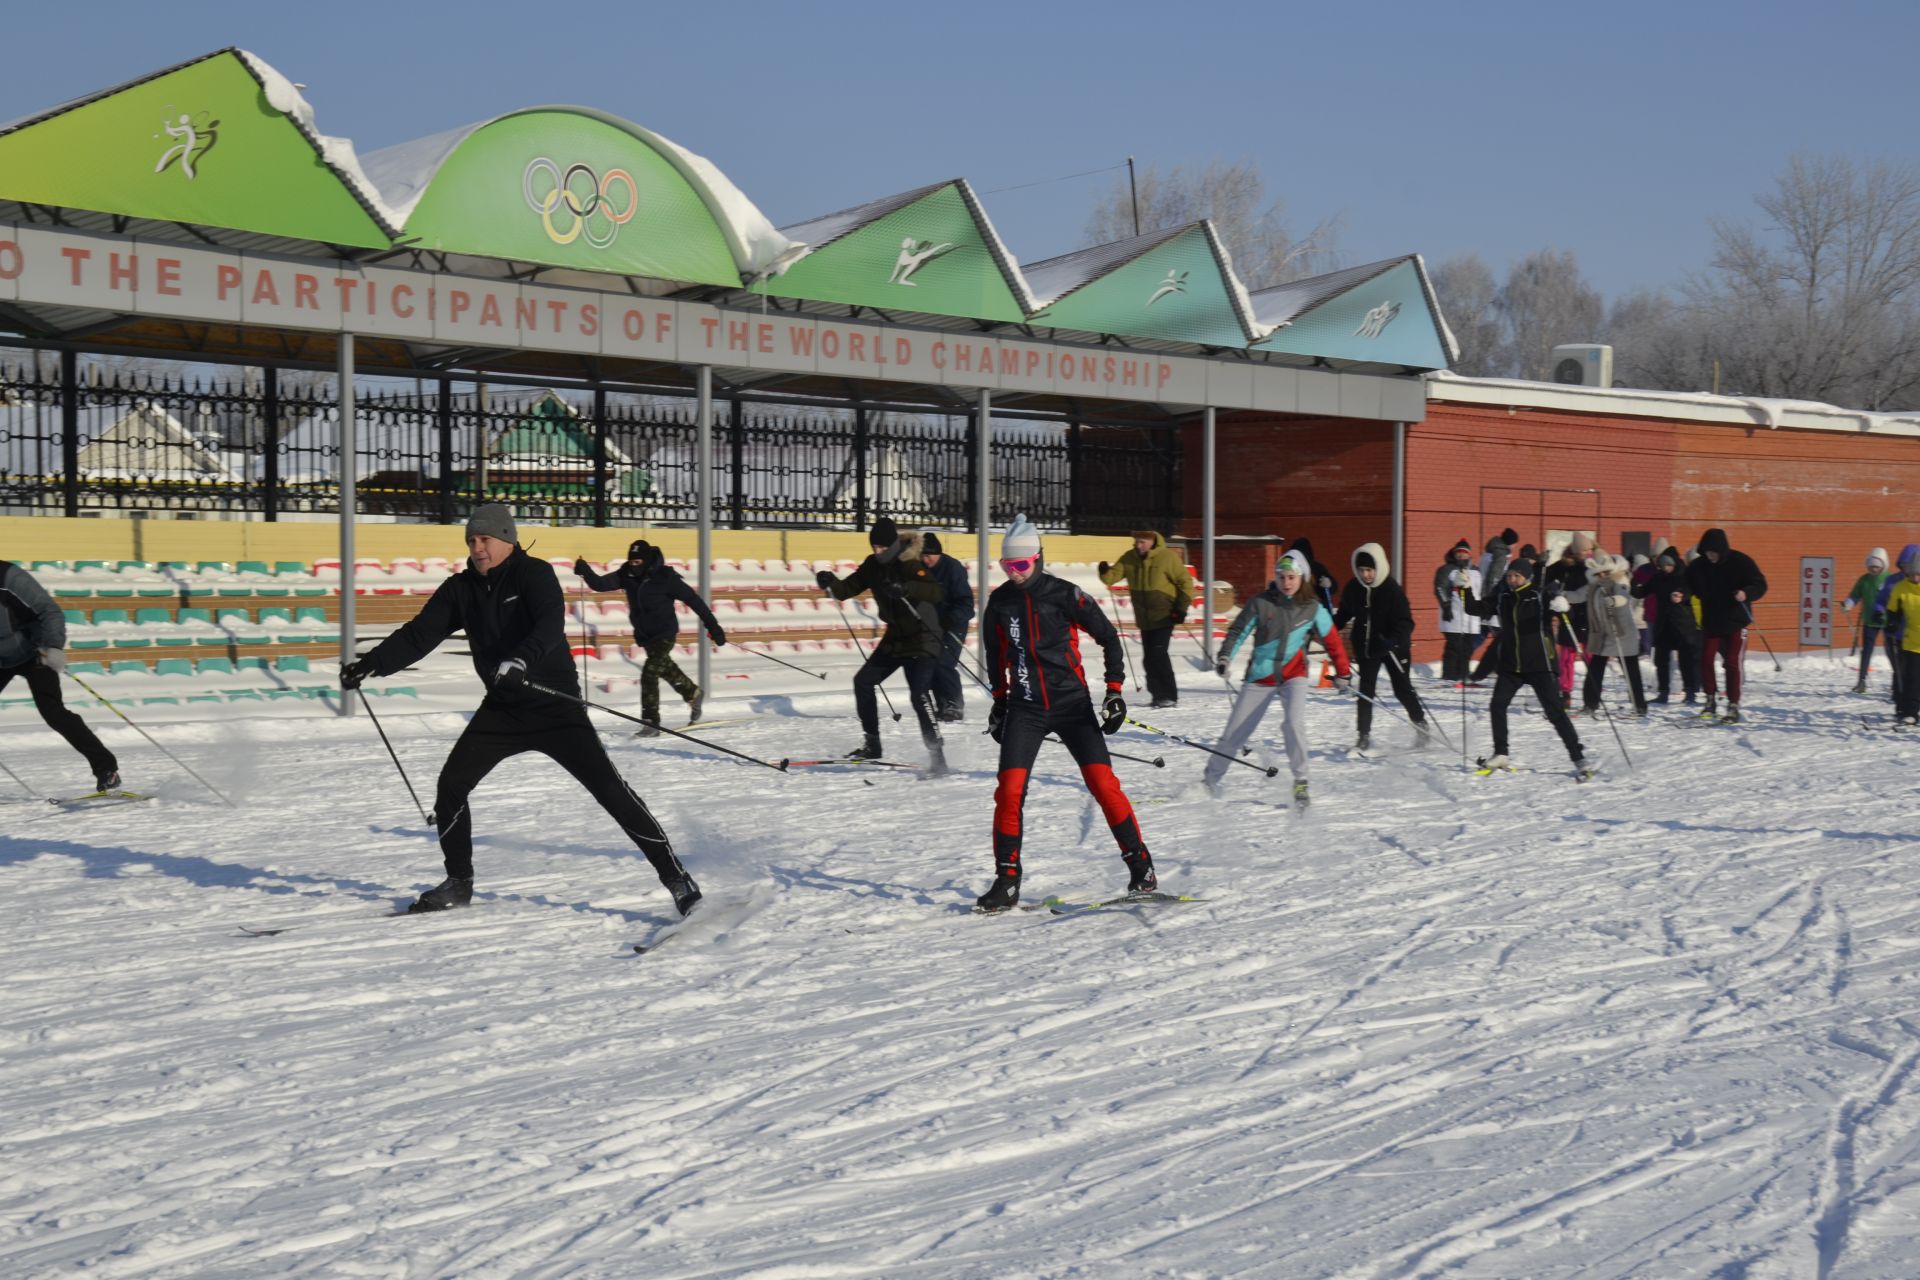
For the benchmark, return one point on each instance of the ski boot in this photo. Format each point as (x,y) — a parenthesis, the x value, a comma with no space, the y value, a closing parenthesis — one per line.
(1004,895)
(1299,793)
(1140,877)
(1162,704)
(1710,709)
(694,701)
(936,761)
(649,727)
(1691,700)
(1363,742)
(1661,700)
(686,894)
(869,749)
(1733,714)
(1494,764)
(445,896)
(1583,768)
(1422,735)
(108,781)
(1861,687)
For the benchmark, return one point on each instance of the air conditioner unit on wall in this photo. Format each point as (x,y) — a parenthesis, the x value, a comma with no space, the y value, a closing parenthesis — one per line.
(1583,364)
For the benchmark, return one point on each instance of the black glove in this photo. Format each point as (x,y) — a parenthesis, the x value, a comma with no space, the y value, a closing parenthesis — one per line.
(509,674)
(1104,566)
(355,673)
(1446,612)
(1326,583)
(1113,712)
(1220,669)
(997,720)
(825,578)
(717,634)
(890,591)
(581,567)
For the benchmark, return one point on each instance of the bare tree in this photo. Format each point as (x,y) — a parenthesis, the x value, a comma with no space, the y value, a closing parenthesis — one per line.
(1470,301)
(1546,302)
(1256,234)
(1823,302)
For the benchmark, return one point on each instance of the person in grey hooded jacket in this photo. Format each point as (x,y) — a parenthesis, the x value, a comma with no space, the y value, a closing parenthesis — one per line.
(1613,632)
(33,646)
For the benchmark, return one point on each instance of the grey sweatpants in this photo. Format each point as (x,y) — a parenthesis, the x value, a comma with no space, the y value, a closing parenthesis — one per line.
(1248,708)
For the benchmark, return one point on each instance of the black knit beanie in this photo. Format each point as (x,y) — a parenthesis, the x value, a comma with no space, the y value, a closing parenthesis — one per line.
(884,532)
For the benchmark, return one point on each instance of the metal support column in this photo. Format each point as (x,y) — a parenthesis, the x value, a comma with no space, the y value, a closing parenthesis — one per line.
(270,445)
(348,448)
(1209,485)
(860,517)
(602,515)
(1400,502)
(443,419)
(70,430)
(737,462)
(703,488)
(983,511)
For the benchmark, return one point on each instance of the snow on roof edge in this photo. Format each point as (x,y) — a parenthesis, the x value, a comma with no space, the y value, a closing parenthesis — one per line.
(1804,415)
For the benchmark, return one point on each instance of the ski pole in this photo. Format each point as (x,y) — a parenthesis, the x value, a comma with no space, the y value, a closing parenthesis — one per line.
(17,778)
(149,737)
(1429,716)
(967,666)
(564,696)
(862,651)
(1605,711)
(1271,771)
(1158,762)
(1769,647)
(818,675)
(394,756)
(1131,673)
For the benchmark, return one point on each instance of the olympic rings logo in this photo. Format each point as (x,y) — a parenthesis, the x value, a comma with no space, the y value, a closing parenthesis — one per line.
(579,203)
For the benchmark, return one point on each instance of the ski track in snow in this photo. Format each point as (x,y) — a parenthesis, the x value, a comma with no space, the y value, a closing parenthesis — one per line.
(1656,1025)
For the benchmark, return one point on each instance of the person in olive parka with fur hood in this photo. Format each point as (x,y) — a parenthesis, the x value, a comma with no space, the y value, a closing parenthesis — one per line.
(907,595)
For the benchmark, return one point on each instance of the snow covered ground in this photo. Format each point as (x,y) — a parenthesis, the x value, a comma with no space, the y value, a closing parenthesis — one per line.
(1664,1024)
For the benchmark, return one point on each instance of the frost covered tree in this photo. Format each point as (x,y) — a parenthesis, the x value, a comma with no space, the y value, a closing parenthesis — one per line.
(1545,302)
(1470,300)
(1256,232)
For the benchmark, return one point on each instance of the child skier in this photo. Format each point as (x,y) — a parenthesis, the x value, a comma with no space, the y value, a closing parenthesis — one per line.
(514,616)
(1040,688)
(1865,596)
(1676,633)
(1527,658)
(1281,620)
(1382,633)
(652,589)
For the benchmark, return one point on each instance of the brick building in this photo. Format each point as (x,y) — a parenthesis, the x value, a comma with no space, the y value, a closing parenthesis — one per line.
(1786,479)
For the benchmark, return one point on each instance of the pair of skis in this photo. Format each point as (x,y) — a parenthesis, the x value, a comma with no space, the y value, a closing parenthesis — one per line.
(1060,906)
(1581,773)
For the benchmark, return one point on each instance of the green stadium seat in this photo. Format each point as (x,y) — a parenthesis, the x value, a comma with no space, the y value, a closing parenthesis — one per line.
(248,636)
(175,566)
(291,568)
(252,566)
(195,589)
(196,615)
(215,666)
(157,593)
(160,702)
(173,667)
(73,593)
(175,642)
(404,691)
(251,664)
(81,566)
(144,616)
(292,662)
(311,592)
(205,697)
(127,669)
(232,593)
(87,644)
(284,693)
(102,617)
(213,566)
(115,593)
(310,613)
(242,695)
(87,668)
(75,617)
(293,637)
(54,566)
(272,613)
(233,613)
(133,642)
(133,566)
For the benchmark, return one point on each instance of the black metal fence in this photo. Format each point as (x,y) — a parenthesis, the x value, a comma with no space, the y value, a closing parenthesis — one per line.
(86,433)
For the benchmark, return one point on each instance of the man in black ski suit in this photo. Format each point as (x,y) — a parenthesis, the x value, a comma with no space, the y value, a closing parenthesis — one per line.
(33,646)
(652,588)
(956,613)
(1727,583)
(908,597)
(1526,655)
(512,611)
(1039,688)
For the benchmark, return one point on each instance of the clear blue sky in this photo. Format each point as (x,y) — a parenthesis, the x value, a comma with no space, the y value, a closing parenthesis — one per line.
(1616,130)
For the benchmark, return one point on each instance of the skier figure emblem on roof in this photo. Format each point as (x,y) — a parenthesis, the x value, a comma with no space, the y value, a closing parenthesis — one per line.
(195,140)
(1176,282)
(1377,319)
(915,254)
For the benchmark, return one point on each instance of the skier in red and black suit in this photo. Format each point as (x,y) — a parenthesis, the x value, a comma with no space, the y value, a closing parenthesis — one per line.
(1039,687)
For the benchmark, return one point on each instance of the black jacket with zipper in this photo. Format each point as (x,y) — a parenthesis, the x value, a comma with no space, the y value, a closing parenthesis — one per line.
(1033,651)
(1382,618)
(652,591)
(1525,639)
(517,611)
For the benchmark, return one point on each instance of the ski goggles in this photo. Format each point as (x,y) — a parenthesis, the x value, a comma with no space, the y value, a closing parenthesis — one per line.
(1019,564)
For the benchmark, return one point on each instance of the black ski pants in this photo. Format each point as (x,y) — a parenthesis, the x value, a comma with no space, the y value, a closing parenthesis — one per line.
(1158,664)
(881,664)
(1457,657)
(1402,689)
(1546,688)
(1596,673)
(43,682)
(1025,728)
(1488,656)
(1907,701)
(569,741)
(947,698)
(1683,649)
